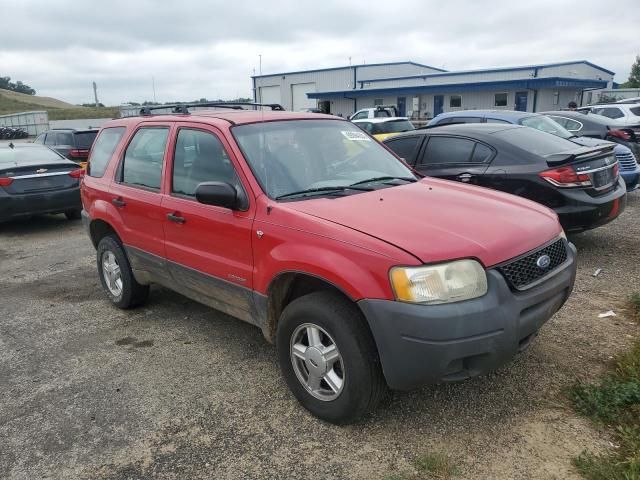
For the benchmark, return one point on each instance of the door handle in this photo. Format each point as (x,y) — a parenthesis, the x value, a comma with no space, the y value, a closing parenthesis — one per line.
(464,177)
(119,202)
(176,218)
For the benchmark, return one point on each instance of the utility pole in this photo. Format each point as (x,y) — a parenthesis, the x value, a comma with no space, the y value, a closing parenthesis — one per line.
(153,86)
(95,94)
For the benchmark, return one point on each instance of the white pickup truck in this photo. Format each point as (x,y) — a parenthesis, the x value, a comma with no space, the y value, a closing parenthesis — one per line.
(375,112)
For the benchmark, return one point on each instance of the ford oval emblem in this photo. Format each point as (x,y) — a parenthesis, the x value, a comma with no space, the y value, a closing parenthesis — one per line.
(543,262)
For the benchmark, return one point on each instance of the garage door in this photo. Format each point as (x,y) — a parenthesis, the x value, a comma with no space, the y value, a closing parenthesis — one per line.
(299,95)
(270,94)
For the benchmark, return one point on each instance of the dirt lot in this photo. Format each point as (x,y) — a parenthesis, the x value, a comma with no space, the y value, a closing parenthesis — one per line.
(175,390)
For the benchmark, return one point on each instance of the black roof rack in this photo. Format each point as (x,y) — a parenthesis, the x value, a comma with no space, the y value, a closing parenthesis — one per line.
(183,108)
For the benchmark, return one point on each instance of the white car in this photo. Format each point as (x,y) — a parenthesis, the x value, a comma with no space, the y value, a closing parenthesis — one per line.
(622,113)
(629,100)
(381,111)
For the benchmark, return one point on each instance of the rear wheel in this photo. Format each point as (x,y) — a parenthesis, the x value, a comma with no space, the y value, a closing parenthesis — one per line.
(116,275)
(72,214)
(328,357)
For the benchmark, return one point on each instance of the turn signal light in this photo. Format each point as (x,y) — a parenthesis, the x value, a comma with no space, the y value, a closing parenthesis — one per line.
(566,177)
(5,181)
(79,173)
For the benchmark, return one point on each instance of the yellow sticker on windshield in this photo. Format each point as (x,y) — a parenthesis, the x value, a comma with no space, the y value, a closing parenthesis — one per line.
(356,136)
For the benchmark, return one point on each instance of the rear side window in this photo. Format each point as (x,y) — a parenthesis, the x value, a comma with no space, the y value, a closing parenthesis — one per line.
(84,140)
(51,139)
(405,147)
(481,154)
(200,157)
(447,150)
(142,164)
(635,111)
(103,150)
(609,112)
(40,138)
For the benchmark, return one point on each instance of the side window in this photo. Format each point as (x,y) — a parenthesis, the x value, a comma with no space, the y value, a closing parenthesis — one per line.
(200,157)
(573,125)
(144,156)
(40,138)
(442,150)
(405,147)
(359,116)
(481,154)
(64,138)
(611,112)
(103,149)
(561,120)
(495,120)
(50,138)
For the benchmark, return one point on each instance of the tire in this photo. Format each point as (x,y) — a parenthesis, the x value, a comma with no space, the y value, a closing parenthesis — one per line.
(73,214)
(339,322)
(127,293)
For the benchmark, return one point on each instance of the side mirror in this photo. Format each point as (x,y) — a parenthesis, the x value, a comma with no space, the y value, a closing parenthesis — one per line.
(220,194)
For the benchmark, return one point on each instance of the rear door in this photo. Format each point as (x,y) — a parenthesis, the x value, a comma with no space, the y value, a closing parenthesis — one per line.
(208,247)
(454,158)
(137,191)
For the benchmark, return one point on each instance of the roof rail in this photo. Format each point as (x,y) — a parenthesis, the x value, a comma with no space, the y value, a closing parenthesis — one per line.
(183,108)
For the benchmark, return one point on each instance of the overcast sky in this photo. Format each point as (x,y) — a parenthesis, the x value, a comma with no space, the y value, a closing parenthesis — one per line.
(209,48)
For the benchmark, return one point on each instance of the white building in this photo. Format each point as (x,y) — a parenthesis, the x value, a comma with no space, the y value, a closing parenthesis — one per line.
(421,91)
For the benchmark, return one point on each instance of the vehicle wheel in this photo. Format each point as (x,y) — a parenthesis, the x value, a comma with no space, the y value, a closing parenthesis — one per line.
(73,214)
(328,357)
(116,275)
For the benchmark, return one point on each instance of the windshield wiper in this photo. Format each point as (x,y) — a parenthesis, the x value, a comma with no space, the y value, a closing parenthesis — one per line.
(340,188)
(379,179)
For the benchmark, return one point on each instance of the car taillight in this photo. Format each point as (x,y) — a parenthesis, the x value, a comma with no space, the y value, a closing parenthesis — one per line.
(566,177)
(621,134)
(79,173)
(77,153)
(5,181)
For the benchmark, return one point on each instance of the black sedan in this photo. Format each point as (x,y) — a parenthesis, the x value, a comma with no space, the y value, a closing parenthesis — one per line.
(582,184)
(35,179)
(598,126)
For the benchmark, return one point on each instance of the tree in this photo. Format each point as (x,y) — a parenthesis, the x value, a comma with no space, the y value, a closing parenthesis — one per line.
(7,84)
(634,76)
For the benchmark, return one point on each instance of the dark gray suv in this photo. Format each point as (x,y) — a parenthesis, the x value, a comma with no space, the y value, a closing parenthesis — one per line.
(69,142)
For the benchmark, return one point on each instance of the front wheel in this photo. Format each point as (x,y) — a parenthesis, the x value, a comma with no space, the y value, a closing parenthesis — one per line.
(328,357)
(116,275)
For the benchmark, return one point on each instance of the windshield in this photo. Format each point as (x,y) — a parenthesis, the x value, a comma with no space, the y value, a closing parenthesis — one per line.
(302,155)
(545,124)
(393,126)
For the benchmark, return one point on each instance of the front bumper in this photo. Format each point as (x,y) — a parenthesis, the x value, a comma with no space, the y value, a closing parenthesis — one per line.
(631,178)
(424,344)
(54,201)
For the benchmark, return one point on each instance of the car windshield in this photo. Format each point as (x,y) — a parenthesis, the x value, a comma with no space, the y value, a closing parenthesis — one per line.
(545,124)
(392,126)
(316,156)
(18,155)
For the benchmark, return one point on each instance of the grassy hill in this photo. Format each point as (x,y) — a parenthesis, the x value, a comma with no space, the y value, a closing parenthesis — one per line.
(14,102)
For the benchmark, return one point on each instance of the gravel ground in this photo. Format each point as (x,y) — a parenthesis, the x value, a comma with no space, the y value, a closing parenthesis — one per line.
(175,390)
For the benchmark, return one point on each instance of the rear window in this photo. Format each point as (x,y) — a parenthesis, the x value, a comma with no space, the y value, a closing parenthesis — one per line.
(635,111)
(103,149)
(394,126)
(10,156)
(64,138)
(84,140)
(535,141)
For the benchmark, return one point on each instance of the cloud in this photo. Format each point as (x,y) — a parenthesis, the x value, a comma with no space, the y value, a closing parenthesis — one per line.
(199,48)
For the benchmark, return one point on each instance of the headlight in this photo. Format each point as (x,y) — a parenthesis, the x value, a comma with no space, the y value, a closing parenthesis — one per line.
(443,283)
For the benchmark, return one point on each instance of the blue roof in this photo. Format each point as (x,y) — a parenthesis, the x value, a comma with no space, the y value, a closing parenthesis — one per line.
(525,84)
(489,70)
(350,66)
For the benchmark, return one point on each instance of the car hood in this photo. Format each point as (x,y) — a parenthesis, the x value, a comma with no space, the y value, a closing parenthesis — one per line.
(438,220)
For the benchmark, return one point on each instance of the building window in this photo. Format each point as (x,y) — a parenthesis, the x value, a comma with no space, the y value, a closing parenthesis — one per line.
(556,98)
(500,100)
(378,101)
(455,101)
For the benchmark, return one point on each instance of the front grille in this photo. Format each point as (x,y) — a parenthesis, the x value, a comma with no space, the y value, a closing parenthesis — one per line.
(523,271)
(627,161)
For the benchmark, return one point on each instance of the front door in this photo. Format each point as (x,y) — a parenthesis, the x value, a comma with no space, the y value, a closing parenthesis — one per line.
(438,104)
(521,101)
(208,247)
(402,106)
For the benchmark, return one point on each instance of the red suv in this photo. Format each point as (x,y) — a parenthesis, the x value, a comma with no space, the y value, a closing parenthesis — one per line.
(363,274)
